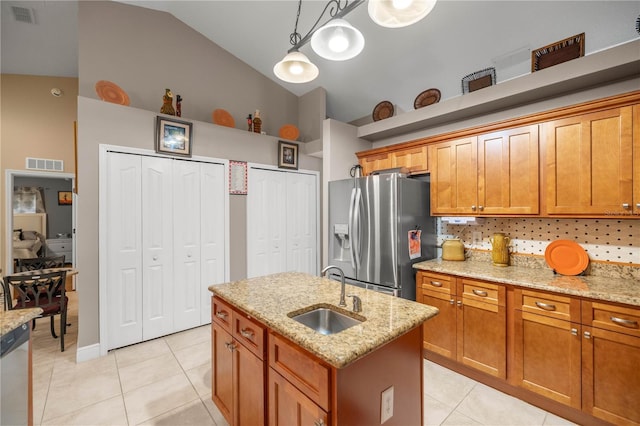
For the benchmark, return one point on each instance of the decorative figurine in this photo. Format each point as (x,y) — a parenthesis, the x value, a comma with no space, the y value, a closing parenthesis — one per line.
(257,122)
(250,123)
(167,103)
(178,106)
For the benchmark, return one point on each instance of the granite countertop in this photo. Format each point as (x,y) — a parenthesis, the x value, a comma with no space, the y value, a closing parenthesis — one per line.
(10,320)
(601,288)
(270,298)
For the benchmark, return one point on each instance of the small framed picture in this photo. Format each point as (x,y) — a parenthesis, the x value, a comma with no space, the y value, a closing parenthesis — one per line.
(287,155)
(173,137)
(238,177)
(64,198)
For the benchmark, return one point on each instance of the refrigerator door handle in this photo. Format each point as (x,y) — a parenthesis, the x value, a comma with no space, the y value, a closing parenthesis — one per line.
(351,228)
(356,233)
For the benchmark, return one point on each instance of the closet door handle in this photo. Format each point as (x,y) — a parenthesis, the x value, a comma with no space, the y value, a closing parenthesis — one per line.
(546,306)
(480,293)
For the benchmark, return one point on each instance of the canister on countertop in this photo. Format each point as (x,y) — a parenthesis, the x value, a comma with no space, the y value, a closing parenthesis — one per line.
(500,249)
(453,249)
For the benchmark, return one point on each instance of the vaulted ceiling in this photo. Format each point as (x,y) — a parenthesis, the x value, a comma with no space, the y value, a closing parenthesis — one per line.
(457,38)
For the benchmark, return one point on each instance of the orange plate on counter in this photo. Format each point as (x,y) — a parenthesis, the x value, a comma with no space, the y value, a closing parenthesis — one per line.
(223,118)
(566,257)
(111,92)
(289,131)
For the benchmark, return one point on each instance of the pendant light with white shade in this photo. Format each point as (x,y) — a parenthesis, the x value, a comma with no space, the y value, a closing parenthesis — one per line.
(337,40)
(399,13)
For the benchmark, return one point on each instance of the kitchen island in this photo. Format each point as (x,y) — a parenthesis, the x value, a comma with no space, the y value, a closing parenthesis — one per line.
(292,374)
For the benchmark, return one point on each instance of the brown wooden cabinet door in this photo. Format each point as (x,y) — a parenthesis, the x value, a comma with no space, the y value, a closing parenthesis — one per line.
(454,176)
(482,327)
(288,406)
(222,371)
(547,357)
(588,164)
(415,159)
(249,392)
(375,162)
(636,160)
(611,375)
(508,171)
(440,331)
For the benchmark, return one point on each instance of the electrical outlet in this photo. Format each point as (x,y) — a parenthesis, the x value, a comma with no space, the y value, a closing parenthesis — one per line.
(386,406)
(477,237)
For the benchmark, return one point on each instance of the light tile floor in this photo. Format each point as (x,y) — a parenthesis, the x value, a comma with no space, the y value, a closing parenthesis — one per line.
(167,381)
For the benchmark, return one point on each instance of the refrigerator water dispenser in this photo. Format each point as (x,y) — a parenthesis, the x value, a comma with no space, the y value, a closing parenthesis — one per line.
(341,246)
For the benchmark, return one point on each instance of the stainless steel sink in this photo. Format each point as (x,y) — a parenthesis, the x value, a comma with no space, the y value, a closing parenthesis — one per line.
(325,319)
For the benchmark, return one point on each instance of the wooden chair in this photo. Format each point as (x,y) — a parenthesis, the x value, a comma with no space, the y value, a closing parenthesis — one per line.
(44,291)
(40,263)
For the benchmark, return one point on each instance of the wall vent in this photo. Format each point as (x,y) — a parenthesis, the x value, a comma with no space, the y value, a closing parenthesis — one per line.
(24,14)
(44,164)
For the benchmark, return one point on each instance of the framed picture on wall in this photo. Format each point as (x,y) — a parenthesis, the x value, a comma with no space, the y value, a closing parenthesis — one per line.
(64,198)
(287,155)
(173,137)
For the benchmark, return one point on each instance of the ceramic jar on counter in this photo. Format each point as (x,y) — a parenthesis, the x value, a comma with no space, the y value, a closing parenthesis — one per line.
(453,249)
(500,249)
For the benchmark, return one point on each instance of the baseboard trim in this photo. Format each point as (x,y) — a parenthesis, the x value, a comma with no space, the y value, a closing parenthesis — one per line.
(87,353)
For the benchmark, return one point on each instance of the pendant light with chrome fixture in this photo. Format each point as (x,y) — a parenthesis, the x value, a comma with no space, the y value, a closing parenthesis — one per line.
(337,40)
(399,13)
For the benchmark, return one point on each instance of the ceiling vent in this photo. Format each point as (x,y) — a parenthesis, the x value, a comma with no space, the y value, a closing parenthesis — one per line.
(24,14)
(44,164)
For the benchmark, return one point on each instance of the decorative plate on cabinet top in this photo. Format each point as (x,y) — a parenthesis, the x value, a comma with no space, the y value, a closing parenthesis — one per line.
(289,131)
(223,118)
(428,97)
(111,92)
(566,257)
(383,110)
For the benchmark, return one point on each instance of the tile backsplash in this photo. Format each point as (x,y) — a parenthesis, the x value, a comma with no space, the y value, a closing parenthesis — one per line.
(605,240)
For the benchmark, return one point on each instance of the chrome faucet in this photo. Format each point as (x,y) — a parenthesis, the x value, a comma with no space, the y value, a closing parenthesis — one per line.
(342,284)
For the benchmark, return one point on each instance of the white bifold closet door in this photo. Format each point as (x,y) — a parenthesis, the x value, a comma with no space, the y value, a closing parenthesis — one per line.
(165,244)
(282,212)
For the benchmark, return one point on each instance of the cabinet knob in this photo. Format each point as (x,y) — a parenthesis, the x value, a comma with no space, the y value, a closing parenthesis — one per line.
(480,208)
(319,422)
(637,205)
(221,314)
(587,335)
(247,333)
(574,331)
(625,205)
(155,257)
(460,303)
(231,346)
(473,208)
(452,301)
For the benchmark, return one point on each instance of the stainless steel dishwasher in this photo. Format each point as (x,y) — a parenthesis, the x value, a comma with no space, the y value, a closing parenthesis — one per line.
(14,377)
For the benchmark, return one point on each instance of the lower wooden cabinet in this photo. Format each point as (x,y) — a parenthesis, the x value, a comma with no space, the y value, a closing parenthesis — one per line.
(238,372)
(289,406)
(611,362)
(471,325)
(547,346)
(580,354)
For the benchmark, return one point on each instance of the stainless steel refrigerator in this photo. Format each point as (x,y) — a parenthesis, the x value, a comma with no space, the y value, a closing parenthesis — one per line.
(379,226)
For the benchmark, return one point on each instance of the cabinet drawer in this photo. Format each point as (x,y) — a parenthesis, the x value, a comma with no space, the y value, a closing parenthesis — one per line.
(436,282)
(611,317)
(221,313)
(249,333)
(299,368)
(549,305)
(482,292)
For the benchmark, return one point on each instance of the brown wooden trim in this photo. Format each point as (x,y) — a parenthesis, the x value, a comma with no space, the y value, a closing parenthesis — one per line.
(615,101)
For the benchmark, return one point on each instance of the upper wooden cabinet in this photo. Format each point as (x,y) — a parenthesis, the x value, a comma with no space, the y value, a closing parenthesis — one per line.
(494,173)
(588,164)
(414,158)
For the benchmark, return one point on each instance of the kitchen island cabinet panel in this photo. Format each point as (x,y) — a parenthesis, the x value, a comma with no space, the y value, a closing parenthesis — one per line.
(289,406)
(222,374)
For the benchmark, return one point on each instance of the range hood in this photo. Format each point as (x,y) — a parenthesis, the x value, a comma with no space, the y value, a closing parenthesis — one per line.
(463,220)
